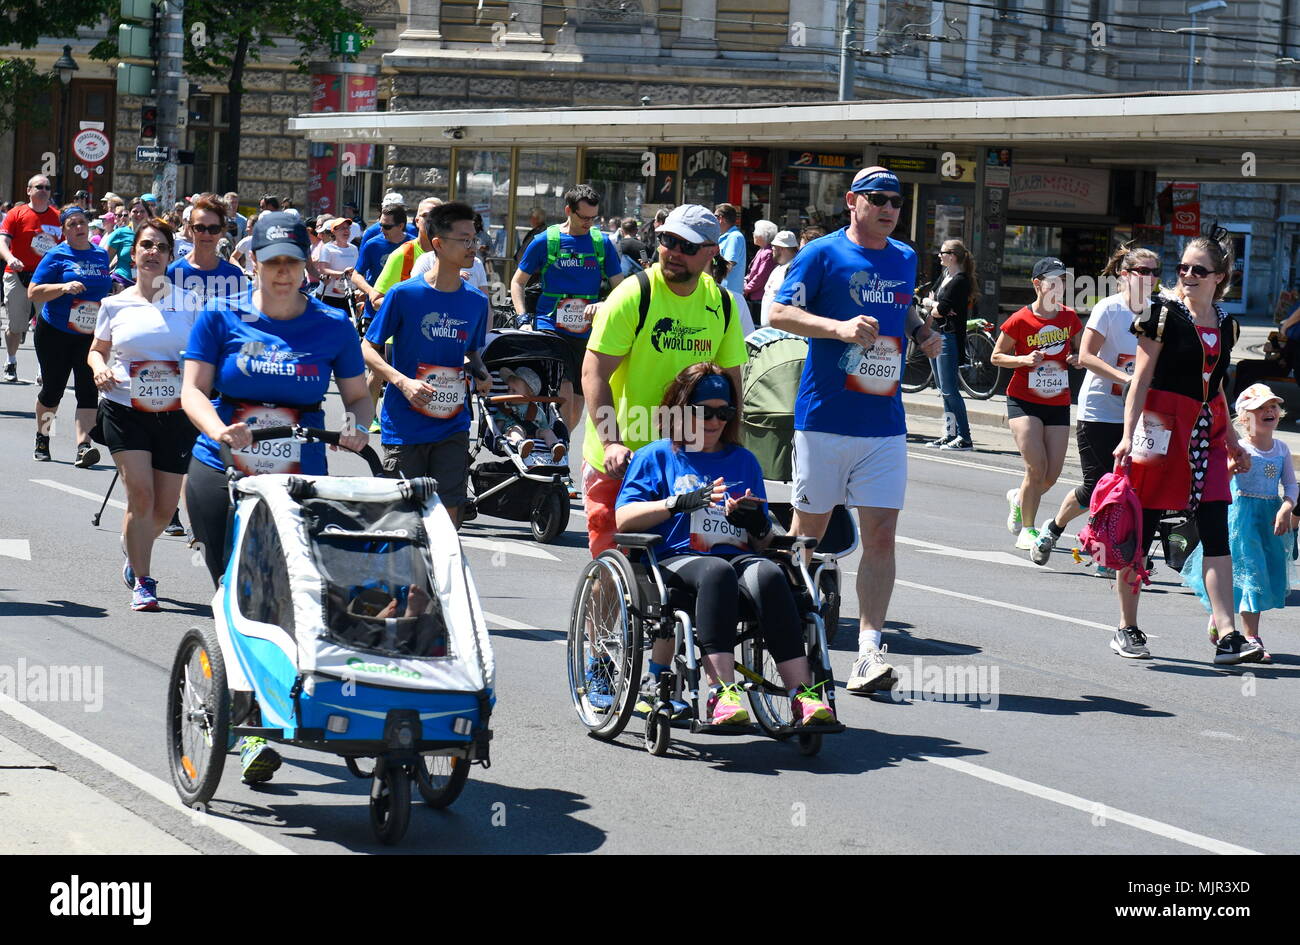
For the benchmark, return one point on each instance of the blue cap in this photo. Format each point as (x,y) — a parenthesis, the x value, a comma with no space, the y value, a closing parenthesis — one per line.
(71,210)
(712,387)
(876,179)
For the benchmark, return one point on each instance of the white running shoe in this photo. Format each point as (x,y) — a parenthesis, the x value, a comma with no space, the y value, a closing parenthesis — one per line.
(1013,518)
(1028,538)
(1042,550)
(871,673)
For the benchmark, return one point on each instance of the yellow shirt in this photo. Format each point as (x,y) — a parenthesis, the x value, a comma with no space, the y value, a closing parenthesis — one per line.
(392,271)
(678,332)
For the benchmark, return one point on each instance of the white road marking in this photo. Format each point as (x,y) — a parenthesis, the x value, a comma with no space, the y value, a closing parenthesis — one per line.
(508,546)
(16,548)
(73,490)
(969,465)
(156,788)
(992,557)
(1094,808)
(507,623)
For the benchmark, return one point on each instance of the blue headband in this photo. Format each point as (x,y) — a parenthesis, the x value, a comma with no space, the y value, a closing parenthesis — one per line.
(880,180)
(712,387)
(69,212)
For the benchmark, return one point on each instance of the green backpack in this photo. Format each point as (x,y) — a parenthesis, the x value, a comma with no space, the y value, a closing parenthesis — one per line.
(771,378)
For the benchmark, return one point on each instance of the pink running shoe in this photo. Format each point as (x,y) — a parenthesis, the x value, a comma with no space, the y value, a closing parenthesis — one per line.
(810,708)
(726,706)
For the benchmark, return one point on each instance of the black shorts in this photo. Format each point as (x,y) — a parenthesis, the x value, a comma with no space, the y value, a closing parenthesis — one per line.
(1052,415)
(1097,441)
(168,437)
(447,461)
(577,346)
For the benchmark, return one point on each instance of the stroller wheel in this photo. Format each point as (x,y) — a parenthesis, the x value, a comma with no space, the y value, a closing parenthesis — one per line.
(441,778)
(356,769)
(198,717)
(390,802)
(550,515)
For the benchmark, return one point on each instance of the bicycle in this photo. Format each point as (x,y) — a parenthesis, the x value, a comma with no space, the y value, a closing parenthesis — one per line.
(978,377)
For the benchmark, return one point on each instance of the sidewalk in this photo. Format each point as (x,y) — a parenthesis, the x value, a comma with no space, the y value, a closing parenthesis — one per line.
(43,810)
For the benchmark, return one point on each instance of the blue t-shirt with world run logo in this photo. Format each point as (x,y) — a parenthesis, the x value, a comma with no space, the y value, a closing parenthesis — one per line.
(64,264)
(432,331)
(845,389)
(225,281)
(573,274)
(273,361)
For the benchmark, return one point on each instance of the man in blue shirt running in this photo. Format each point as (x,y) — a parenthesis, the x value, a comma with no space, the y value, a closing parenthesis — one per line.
(850,294)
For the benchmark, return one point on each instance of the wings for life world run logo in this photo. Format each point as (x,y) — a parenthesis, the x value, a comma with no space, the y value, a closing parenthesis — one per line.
(1049,340)
(868,288)
(670,335)
(257,358)
(438,326)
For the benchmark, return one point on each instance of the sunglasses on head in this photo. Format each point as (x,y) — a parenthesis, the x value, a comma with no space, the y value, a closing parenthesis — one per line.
(678,245)
(725,414)
(878,199)
(1199,272)
(212,229)
(1144,270)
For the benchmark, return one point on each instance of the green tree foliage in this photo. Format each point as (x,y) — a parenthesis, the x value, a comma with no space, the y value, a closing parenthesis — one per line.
(23,90)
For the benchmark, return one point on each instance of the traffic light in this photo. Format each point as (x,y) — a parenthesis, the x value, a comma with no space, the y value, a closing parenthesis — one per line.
(149,122)
(137,40)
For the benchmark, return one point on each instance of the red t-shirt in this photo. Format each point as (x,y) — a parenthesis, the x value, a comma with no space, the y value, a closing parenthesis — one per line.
(32,234)
(1049,382)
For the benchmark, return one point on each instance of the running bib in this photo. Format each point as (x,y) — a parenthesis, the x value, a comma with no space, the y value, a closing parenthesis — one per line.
(1049,379)
(82,316)
(1151,438)
(709,527)
(155,386)
(875,370)
(46,240)
(571,316)
(268,456)
(1125,363)
(448,385)
(337,288)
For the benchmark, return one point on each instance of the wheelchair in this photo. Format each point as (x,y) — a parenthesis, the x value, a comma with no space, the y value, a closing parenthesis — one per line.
(623,604)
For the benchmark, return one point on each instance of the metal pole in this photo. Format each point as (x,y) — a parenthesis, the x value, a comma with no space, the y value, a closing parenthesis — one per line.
(57,190)
(846,63)
(1191,55)
(171,66)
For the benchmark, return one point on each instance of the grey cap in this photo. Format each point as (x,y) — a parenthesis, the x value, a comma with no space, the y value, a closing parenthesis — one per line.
(694,223)
(787,239)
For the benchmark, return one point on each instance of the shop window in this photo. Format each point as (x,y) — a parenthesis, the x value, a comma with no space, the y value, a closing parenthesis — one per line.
(544,176)
(483,182)
(616,176)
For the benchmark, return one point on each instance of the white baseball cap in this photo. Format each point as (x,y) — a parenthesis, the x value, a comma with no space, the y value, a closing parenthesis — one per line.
(787,239)
(393,199)
(1254,396)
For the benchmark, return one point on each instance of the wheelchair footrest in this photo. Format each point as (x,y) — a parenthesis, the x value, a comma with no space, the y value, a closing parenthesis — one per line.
(254,731)
(789,731)
(700,728)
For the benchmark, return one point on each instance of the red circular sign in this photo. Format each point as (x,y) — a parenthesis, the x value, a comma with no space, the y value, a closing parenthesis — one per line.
(91,146)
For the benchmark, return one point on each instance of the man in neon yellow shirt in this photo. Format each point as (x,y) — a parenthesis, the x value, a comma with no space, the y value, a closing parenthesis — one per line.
(401,261)
(631,359)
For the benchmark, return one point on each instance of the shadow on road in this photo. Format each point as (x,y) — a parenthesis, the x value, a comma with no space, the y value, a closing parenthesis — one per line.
(52,608)
(1039,705)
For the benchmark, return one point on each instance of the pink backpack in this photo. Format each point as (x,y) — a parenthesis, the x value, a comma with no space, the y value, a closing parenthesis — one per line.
(1113,535)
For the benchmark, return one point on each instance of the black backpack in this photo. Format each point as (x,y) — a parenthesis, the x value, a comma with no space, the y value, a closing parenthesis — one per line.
(643,305)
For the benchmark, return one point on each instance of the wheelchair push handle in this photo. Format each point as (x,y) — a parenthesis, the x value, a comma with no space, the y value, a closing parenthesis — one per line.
(306,435)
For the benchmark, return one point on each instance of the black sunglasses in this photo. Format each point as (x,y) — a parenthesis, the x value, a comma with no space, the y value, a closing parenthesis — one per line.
(877,199)
(725,414)
(1199,272)
(678,245)
(390,226)
(161,245)
(1144,270)
(212,229)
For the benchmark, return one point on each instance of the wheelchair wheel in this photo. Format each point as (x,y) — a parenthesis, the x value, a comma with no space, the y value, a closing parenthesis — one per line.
(658,732)
(198,717)
(390,802)
(810,744)
(828,586)
(354,766)
(771,708)
(605,633)
(441,778)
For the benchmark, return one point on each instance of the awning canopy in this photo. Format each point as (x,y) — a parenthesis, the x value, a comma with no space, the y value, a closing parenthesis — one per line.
(1195,135)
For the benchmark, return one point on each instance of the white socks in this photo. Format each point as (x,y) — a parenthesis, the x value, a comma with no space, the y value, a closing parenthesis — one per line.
(868,640)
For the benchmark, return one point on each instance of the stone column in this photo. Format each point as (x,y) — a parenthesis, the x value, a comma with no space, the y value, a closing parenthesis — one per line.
(525,24)
(697,35)
(424,24)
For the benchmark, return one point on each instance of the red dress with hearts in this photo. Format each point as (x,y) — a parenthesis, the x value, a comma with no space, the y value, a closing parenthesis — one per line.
(1180,453)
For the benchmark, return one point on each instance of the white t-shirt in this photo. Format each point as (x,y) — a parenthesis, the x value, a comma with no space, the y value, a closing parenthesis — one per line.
(769,293)
(740,309)
(355,232)
(475,275)
(334,256)
(183,248)
(1101,400)
(148,340)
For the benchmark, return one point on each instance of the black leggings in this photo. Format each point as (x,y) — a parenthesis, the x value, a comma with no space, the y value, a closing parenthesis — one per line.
(718,584)
(60,354)
(1211,522)
(207,501)
(1097,442)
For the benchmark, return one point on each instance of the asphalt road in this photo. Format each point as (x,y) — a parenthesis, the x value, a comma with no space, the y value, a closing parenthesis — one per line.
(1063,748)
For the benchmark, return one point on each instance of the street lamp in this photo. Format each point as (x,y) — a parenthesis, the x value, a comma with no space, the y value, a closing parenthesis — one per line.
(1209,8)
(65,65)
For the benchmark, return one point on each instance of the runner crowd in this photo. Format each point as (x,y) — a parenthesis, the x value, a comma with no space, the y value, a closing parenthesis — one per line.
(184,328)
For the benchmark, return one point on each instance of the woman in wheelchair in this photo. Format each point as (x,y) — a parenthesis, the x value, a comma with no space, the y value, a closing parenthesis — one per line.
(703,492)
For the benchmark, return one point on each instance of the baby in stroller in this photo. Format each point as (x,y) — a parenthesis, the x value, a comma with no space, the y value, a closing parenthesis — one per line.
(521,423)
